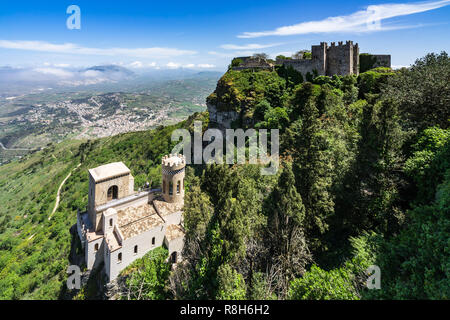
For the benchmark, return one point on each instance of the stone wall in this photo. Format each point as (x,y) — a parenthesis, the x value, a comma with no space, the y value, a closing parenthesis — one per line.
(382,60)
(94,257)
(371,61)
(341,59)
(253,63)
(144,242)
(304,66)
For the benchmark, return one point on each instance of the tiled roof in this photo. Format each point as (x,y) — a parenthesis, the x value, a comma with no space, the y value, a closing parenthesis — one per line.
(136,220)
(165,208)
(174,232)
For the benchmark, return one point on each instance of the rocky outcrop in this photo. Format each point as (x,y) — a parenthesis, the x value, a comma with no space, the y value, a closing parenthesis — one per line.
(221,119)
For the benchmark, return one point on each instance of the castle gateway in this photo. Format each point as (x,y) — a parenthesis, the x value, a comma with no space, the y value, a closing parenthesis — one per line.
(121,225)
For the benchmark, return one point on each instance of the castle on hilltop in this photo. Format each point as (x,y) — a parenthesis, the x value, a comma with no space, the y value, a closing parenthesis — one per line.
(341,59)
(121,225)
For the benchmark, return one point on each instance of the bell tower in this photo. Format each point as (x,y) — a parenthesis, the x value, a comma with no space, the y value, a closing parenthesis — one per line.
(173,172)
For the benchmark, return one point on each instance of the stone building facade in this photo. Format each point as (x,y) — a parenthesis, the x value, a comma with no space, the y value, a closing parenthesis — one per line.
(340,59)
(122,225)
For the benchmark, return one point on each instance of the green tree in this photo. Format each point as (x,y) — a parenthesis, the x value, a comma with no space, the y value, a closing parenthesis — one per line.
(150,279)
(285,224)
(416,263)
(423,92)
(231,284)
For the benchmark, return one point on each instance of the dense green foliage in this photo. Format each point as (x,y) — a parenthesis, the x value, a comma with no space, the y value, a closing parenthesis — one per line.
(364,180)
(148,277)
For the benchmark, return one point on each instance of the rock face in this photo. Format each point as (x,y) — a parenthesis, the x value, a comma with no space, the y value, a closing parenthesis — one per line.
(221,119)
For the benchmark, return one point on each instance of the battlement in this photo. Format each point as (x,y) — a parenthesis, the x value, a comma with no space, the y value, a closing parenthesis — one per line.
(173,162)
(173,172)
(341,59)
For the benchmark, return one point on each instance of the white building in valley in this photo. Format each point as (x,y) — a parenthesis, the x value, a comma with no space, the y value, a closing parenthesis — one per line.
(121,225)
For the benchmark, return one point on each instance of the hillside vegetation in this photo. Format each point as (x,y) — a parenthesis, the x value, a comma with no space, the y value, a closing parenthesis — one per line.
(364,180)
(34,252)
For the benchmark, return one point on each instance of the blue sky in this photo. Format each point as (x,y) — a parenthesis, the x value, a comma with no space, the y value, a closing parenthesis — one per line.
(206,34)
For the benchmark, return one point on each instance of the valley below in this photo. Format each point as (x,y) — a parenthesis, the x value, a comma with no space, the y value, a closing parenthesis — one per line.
(31,122)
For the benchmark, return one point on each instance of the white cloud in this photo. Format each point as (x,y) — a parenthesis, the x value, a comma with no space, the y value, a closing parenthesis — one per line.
(136,65)
(91,74)
(70,48)
(54,72)
(57,65)
(252,46)
(62,65)
(400,67)
(173,65)
(206,66)
(368,20)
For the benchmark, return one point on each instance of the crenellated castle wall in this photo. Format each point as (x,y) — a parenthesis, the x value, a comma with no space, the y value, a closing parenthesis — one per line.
(341,59)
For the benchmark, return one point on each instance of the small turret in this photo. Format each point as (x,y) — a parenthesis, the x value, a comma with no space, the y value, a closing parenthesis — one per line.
(173,173)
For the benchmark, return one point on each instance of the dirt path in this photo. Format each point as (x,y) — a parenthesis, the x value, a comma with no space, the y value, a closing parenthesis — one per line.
(18,149)
(58,195)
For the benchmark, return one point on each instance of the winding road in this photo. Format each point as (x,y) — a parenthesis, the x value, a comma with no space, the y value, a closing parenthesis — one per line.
(58,195)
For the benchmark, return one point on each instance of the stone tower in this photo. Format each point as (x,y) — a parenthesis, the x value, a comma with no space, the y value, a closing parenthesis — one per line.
(108,183)
(342,59)
(319,55)
(173,172)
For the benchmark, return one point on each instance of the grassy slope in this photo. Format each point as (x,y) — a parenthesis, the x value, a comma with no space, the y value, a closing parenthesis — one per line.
(34,251)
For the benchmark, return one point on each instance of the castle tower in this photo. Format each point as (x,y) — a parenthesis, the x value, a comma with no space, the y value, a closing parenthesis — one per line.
(319,56)
(107,183)
(173,172)
(341,59)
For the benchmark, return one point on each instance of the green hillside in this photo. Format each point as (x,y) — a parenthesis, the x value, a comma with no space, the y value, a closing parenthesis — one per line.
(33,250)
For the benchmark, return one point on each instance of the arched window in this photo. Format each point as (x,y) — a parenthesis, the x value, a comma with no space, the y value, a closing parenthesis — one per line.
(110,222)
(170,188)
(135,249)
(113,193)
(178,187)
(164,186)
(173,257)
(153,241)
(96,247)
(119,257)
